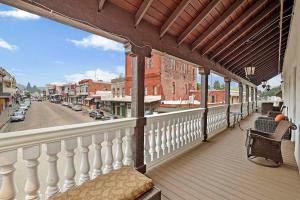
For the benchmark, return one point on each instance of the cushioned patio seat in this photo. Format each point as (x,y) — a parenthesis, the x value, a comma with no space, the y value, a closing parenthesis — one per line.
(123,184)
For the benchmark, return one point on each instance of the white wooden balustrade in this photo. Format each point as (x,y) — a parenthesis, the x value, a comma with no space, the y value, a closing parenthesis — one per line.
(171,133)
(111,143)
(216,119)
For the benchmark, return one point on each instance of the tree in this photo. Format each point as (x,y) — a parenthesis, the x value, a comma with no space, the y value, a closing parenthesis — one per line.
(217,85)
(28,87)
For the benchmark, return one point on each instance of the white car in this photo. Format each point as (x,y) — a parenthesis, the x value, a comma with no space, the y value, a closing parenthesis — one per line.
(24,107)
(77,108)
(17,116)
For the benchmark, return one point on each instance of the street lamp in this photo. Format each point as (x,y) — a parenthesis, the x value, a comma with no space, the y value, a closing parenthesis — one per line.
(263,83)
(268,87)
(250,71)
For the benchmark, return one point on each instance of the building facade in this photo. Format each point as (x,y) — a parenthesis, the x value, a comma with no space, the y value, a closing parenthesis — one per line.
(163,77)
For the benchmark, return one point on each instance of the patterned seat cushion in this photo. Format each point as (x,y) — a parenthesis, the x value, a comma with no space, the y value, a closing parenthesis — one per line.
(122,184)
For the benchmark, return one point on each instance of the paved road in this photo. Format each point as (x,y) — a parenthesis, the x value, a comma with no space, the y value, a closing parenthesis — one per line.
(46,114)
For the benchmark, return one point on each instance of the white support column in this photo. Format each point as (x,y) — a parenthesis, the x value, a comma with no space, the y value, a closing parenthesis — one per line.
(70,145)
(97,162)
(85,142)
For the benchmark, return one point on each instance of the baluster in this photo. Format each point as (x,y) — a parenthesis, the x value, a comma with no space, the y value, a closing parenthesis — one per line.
(85,142)
(7,161)
(169,136)
(173,142)
(184,130)
(147,157)
(52,149)
(108,157)
(32,185)
(70,146)
(128,153)
(181,133)
(118,150)
(152,150)
(192,127)
(177,133)
(188,128)
(163,138)
(195,126)
(158,140)
(97,161)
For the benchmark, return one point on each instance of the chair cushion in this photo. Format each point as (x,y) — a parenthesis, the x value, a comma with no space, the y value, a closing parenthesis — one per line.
(122,184)
(279,118)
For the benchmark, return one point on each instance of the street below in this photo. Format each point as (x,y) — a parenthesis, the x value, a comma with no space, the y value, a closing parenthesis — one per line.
(45,114)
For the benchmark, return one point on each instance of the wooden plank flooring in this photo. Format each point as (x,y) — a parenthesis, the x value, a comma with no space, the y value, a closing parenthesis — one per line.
(220,170)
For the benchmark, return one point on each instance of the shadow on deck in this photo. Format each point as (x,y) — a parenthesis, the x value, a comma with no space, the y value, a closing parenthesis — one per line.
(219,169)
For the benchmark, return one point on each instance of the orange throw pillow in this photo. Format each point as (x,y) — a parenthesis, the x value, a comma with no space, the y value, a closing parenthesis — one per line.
(279,118)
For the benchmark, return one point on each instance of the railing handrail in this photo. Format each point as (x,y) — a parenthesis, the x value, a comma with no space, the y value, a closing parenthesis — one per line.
(219,106)
(20,139)
(174,113)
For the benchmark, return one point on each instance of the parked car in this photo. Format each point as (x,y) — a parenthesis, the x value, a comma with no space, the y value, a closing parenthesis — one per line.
(77,108)
(70,105)
(93,113)
(65,103)
(24,107)
(17,116)
(21,110)
(104,118)
(99,115)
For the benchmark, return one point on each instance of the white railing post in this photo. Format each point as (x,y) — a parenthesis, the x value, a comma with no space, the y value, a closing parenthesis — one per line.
(108,156)
(97,161)
(7,161)
(32,184)
(152,149)
(147,156)
(163,138)
(118,163)
(85,142)
(70,145)
(128,153)
(158,140)
(52,149)
(168,133)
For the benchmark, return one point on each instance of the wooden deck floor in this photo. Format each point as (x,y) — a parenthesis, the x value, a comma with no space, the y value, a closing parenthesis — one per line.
(220,170)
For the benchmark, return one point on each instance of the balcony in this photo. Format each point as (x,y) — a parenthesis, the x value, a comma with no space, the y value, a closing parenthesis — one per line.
(44,161)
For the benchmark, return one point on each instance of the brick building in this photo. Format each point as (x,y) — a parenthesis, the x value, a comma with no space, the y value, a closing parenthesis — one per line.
(163,77)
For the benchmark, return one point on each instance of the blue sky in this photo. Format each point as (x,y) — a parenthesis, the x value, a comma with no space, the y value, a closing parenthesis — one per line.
(42,51)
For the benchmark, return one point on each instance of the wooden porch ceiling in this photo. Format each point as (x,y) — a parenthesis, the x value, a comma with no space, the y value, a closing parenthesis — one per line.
(223,35)
(233,33)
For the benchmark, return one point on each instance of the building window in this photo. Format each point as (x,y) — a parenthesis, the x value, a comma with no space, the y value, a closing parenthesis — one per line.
(146,91)
(130,91)
(149,63)
(154,90)
(114,92)
(173,88)
(173,63)
(213,99)
(186,89)
(123,92)
(118,92)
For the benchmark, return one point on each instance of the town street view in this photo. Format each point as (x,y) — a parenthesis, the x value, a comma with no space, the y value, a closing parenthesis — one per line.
(149,99)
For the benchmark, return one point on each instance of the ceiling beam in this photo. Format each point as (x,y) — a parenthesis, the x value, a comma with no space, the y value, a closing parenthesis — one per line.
(261,52)
(183,4)
(142,11)
(234,26)
(100,5)
(250,25)
(261,60)
(259,57)
(202,15)
(216,23)
(253,43)
(118,24)
(265,25)
(256,48)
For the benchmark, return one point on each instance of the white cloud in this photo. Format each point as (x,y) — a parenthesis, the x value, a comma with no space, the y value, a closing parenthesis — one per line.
(18,14)
(96,41)
(120,70)
(6,45)
(97,74)
(58,62)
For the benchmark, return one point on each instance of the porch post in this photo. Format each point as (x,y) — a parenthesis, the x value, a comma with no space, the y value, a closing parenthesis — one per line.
(227,98)
(256,109)
(137,101)
(241,95)
(204,98)
(247,98)
(252,98)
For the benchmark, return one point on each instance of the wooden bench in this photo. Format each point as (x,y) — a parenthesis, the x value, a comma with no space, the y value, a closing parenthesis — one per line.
(122,184)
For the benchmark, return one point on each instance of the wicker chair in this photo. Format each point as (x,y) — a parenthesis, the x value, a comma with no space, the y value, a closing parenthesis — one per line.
(266,145)
(269,125)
